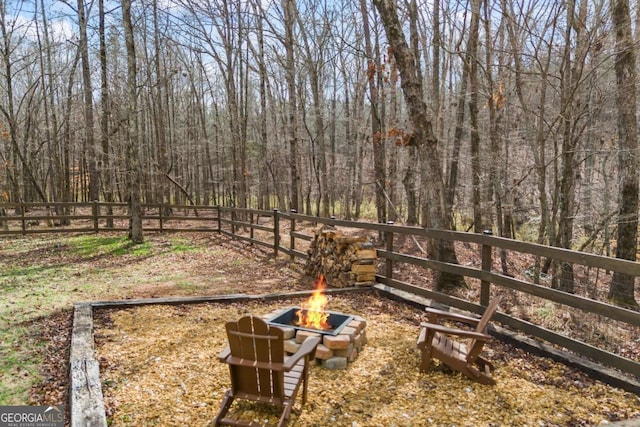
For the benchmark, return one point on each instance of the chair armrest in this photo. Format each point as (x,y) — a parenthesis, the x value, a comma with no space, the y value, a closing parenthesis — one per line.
(308,346)
(458,332)
(250,363)
(224,354)
(441,314)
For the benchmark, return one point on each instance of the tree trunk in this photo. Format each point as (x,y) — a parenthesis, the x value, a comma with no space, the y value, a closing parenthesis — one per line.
(621,291)
(375,106)
(88,105)
(162,193)
(409,182)
(423,138)
(495,106)
(573,63)
(133,149)
(319,139)
(104,160)
(471,62)
(292,123)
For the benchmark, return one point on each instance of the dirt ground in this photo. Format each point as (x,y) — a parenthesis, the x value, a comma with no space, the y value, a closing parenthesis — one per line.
(159,364)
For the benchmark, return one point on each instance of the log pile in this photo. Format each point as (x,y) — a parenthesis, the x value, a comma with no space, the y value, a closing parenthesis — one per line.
(343,260)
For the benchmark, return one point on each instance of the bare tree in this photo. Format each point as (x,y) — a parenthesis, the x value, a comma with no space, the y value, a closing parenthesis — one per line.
(289,8)
(11,38)
(471,62)
(422,136)
(104,159)
(622,286)
(133,149)
(376,114)
(88,103)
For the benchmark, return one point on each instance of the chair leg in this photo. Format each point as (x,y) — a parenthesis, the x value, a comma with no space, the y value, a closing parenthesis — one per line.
(286,412)
(227,401)
(484,363)
(478,376)
(305,377)
(425,364)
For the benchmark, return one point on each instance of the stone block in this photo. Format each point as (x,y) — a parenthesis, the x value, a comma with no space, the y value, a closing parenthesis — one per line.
(291,346)
(339,342)
(360,319)
(301,335)
(349,331)
(358,325)
(335,363)
(323,352)
(346,352)
(353,356)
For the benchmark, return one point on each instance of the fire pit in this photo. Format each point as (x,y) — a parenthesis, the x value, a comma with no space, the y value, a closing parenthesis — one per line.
(343,335)
(288,318)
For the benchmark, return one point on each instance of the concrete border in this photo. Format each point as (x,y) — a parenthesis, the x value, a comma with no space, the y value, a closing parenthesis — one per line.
(86,401)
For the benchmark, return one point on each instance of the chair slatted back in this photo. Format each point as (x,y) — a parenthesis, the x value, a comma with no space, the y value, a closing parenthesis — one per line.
(472,349)
(253,340)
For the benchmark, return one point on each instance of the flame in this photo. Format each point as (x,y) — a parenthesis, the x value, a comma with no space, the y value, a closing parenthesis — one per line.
(312,314)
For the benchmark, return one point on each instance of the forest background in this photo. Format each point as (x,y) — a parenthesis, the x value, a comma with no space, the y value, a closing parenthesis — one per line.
(515,116)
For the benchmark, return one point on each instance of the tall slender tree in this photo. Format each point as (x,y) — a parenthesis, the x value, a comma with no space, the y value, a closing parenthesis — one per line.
(89,140)
(471,61)
(376,111)
(133,149)
(104,158)
(622,286)
(289,8)
(423,137)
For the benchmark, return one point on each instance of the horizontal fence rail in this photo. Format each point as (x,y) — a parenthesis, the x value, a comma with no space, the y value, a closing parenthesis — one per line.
(290,233)
(93,217)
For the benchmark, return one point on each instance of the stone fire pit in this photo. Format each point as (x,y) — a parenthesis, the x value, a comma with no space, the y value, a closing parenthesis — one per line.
(340,345)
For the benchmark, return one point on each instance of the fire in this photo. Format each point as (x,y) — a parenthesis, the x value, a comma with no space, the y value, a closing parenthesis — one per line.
(312,314)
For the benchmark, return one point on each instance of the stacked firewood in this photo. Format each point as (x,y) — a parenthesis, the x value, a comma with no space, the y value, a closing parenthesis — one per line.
(342,260)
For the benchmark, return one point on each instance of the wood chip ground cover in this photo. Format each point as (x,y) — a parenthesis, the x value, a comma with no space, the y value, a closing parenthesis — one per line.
(159,367)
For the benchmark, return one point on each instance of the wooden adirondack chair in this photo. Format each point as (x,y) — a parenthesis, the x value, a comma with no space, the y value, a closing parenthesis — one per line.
(259,369)
(435,341)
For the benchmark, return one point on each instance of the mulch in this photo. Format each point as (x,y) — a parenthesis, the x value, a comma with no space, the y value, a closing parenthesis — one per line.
(159,367)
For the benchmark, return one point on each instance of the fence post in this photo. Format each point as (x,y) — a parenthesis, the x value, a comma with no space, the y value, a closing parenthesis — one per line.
(388,236)
(251,224)
(219,219)
(95,210)
(160,209)
(233,221)
(276,232)
(292,242)
(23,219)
(486,266)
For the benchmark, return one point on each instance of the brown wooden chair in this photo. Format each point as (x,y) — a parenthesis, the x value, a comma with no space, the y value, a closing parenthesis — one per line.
(259,369)
(435,341)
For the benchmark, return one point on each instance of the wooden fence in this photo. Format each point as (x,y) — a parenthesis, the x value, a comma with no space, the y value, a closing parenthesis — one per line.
(290,234)
(94,217)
